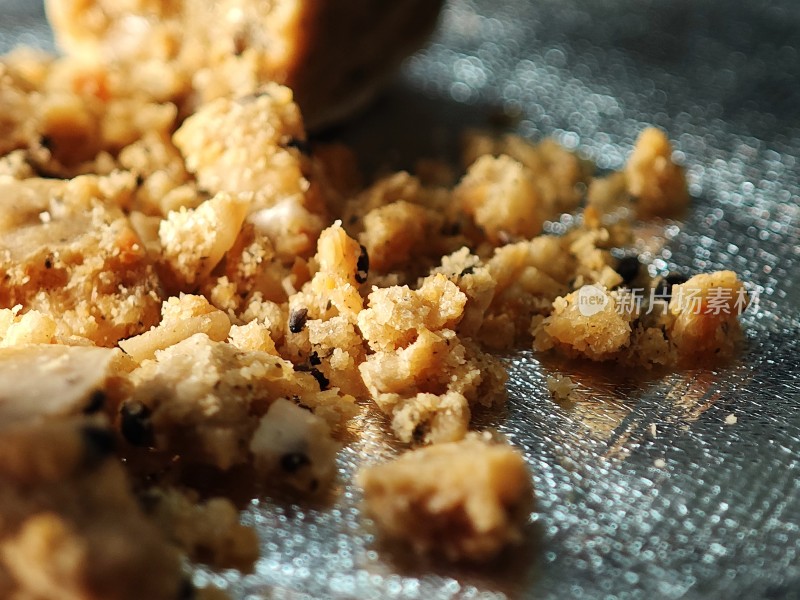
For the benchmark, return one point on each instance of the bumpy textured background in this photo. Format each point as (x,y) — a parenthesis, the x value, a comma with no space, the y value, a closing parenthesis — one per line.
(644,490)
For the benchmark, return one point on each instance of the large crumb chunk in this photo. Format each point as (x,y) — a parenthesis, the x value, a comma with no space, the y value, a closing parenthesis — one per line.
(334,59)
(501,195)
(705,311)
(463,500)
(241,145)
(51,380)
(70,526)
(294,445)
(67,251)
(195,240)
(657,183)
(203,399)
(182,317)
(591,322)
(422,373)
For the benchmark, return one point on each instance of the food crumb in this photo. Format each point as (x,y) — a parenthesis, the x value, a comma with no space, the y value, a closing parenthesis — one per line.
(561,387)
(731,419)
(659,463)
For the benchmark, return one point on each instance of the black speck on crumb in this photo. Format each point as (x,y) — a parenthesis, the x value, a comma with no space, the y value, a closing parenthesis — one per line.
(98,442)
(314,359)
(292,461)
(628,268)
(135,424)
(467,271)
(362,265)
(96,402)
(320,377)
(48,263)
(297,320)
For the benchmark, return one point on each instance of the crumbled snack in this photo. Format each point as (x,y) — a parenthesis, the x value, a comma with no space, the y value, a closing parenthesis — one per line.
(225,48)
(657,184)
(182,317)
(202,398)
(31,327)
(54,380)
(705,311)
(558,173)
(421,372)
(69,525)
(586,323)
(159,165)
(254,156)
(562,388)
(294,445)
(502,196)
(69,252)
(193,241)
(207,531)
(465,500)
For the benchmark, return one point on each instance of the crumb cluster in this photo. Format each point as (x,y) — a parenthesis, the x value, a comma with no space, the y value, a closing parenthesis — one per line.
(208,288)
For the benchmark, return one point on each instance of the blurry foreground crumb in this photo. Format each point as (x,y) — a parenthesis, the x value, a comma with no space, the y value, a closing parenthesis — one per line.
(464,500)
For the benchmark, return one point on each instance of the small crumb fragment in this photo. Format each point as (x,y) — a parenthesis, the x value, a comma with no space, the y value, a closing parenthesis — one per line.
(659,463)
(731,419)
(561,387)
(463,500)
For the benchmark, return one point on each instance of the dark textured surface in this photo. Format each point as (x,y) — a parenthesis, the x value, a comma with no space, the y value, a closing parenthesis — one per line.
(644,490)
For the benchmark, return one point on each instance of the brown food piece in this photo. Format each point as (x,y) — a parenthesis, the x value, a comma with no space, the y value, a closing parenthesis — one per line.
(70,528)
(57,381)
(657,183)
(68,251)
(334,57)
(464,500)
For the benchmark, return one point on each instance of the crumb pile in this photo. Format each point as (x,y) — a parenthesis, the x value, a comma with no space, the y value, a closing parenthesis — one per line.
(212,289)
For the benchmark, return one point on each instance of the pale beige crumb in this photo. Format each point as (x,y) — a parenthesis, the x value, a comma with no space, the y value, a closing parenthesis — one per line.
(731,419)
(182,317)
(659,463)
(561,387)
(193,241)
(465,500)
(656,183)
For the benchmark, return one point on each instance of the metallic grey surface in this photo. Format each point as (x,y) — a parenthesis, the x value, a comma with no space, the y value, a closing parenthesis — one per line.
(719,517)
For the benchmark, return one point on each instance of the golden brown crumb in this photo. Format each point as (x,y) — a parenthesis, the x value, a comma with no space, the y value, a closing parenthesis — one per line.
(465,500)
(657,183)
(69,252)
(705,311)
(71,527)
